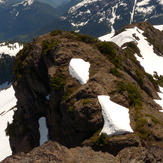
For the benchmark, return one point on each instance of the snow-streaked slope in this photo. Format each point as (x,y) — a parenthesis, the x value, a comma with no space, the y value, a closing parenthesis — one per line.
(43,130)
(149,60)
(79,69)
(116,117)
(7,102)
(10,48)
(81,4)
(112,15)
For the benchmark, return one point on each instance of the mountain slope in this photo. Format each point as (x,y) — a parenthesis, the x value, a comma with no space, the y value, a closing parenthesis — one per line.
(53,97)
(48,86)
(148,53)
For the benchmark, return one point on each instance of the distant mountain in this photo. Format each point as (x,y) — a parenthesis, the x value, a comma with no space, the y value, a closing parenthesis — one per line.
(25,19)
(54,3)
(21,19)
(99,17)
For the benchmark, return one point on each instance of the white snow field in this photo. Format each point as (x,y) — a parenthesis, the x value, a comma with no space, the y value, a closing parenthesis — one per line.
(10,49)
(79,69)
(7,102)
(116,117)
(43,130)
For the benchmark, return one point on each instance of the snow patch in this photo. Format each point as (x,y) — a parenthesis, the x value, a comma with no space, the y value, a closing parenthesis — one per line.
(143,3)
(112,20)
(2,2)
(159,27)
(7,102)
(79,69)
(133,11)
(160,2)
(48,97)
(116,117)
(10,49)
(144,10)
(43,130)
(160,102)
(83,3)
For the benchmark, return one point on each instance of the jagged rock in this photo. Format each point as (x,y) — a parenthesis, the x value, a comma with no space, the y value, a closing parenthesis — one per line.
(72,110)
(52,152)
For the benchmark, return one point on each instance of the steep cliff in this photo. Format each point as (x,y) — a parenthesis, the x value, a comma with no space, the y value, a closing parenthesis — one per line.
(45,88)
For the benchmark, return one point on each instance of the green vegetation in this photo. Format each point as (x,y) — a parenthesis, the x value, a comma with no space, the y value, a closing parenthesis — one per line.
(155,121)
(141,123)
(21,56)
(49,46)
(131,50)
(152,80)
(85,38)
(141,128)
(159,79)
(67,93)
(140,75)
(56,32)
(107,48)
(98,139)
(71,109)
(133,47)
(57,82)
(86,101)
(102,140)
(134,95)
(115,72)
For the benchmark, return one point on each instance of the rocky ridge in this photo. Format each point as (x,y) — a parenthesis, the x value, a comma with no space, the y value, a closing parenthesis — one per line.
(72,110)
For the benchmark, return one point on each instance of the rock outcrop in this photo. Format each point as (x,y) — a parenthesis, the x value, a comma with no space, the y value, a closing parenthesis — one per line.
(44,88)
(53,152)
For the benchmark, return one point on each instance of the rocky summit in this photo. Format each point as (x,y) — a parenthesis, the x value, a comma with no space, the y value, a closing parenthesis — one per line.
(74,117)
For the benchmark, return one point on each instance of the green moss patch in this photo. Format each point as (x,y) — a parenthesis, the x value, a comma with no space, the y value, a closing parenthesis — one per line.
(57,82)
(134,95)
(115,72)
(49,46)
